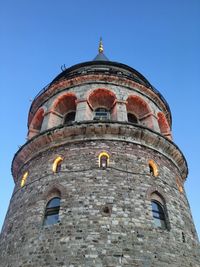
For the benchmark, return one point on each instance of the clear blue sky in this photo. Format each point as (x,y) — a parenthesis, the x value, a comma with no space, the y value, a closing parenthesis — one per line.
(160,39)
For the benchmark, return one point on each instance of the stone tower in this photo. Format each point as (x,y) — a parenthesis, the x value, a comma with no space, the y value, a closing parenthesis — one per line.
(99,183)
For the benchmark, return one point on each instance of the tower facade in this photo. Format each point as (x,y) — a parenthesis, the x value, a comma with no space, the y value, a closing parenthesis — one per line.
(99,181)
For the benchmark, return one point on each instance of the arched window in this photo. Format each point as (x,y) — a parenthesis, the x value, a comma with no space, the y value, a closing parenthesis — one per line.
(179,185)
(153,169)
(52,211)
(138,111)
(101,114)
(157,204)
(69,117)
(63,109)
(23,180)
(57,164)
(102,103)
(132,118)
(103,160)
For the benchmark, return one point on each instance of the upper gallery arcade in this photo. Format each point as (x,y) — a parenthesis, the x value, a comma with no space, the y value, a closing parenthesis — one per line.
(110,91)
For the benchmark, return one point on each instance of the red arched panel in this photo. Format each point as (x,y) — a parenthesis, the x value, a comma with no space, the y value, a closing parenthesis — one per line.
(137,106)
(37,120)
(163,123)
(65,103)
(102,98)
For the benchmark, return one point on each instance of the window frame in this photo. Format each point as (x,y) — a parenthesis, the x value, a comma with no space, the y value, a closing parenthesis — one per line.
(159,215)
(101,156)
(67,114)
(51,211)
(100,110)
(133,115)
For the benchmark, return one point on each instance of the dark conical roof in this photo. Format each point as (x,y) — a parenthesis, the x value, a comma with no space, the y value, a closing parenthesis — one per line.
(100,56)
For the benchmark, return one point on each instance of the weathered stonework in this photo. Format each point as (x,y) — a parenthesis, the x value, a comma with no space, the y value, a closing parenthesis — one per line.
(105,217)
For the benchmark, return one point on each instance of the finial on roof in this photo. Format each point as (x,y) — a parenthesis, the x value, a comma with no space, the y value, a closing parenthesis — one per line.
(100,45)
(100,56)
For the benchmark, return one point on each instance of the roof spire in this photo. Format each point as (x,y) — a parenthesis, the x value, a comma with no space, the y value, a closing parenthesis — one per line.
(100,45)
(100,56)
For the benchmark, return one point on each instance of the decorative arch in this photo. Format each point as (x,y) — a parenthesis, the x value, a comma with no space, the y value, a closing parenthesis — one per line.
(63,110)
(158,197)
(65,103)
(54,190)
(156,190)
(137,106)
(163,125)
(138,111)
(36,123)
(101,98)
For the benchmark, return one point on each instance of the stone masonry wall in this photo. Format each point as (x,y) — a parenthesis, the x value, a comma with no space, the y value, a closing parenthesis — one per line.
(85,235)
(84,112)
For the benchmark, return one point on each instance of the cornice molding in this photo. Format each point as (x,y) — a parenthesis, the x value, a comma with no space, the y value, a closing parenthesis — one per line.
(90,131)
